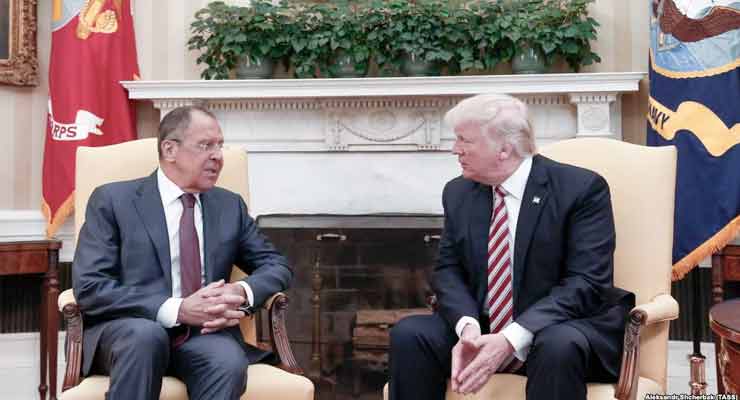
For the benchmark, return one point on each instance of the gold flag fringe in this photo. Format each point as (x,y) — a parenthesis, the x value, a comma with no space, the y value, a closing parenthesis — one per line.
(714,244)
(64,211)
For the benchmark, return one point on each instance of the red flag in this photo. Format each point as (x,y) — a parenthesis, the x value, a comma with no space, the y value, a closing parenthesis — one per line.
(92,49)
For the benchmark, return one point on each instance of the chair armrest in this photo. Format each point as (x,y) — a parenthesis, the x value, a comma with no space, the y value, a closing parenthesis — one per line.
(66,297)
(662,308)
(267,305)
(73,349)
(277,306)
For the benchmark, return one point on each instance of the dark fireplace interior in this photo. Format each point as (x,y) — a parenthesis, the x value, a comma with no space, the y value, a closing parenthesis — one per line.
(344,265)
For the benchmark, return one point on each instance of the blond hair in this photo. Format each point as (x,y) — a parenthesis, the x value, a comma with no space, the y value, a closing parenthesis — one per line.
(496,114)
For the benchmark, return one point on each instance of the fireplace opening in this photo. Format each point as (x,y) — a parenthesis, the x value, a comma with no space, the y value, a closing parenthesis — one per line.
(354,275)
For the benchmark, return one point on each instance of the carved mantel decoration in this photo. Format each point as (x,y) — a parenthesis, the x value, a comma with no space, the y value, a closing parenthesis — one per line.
(382,114)
(19,64)
(376,145)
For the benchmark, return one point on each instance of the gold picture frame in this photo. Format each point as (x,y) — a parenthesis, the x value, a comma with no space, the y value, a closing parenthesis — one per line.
(18,59)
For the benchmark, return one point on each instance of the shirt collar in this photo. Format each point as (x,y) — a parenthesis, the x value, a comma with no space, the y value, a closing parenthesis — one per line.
(514,185)
(168,190)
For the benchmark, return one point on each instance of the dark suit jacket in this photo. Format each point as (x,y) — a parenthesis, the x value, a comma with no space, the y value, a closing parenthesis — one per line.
(122,263)
(563,256)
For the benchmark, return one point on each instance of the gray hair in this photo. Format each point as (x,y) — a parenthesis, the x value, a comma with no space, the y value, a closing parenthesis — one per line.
(497,114)
(174,124)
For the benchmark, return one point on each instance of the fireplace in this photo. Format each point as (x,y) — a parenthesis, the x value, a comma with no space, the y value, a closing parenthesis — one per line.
(345,264)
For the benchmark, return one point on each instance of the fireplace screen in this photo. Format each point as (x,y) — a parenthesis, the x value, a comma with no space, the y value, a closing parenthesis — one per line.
(354,276)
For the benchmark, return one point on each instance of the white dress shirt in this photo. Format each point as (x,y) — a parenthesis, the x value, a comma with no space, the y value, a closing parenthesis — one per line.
(519,337)
(170,194)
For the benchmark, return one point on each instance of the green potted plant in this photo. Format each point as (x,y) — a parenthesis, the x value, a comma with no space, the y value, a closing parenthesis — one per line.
(349,43)
(230,37)
(572,37)
(416,36)
(484,45)
(542,30)
(413,36)
(328,40)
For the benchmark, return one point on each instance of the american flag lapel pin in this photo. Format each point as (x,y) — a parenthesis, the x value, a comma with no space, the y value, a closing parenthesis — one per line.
(536,199)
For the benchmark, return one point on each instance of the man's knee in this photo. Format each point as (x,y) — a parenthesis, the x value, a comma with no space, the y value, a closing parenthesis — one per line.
(231,369)
(559,345)
(407,332)
(144,336)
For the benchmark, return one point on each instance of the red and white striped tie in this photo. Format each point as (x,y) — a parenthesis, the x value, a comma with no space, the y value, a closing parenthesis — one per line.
(499,295)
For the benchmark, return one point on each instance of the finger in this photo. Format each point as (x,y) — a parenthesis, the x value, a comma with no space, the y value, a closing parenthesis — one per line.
(456,360)
(211,292)
(217,309)
(471,368)
(215,323)
(476,381)
(233,315)
(205,331)
(217,284)
(232,299)
(229,301)
(235,288)
(475,343)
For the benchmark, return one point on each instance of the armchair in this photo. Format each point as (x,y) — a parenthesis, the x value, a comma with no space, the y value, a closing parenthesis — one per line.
(642,182)
(98,165)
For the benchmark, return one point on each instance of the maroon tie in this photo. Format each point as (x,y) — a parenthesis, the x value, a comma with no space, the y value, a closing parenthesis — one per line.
(189,248)
(189,260)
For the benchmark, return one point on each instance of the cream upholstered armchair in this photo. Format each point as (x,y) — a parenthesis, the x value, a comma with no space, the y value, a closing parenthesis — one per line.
(642,183)
(98,165)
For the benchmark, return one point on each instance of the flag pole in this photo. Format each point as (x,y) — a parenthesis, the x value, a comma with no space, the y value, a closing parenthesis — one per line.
(697,381)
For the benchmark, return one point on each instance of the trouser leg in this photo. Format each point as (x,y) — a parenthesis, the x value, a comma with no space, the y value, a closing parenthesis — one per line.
(213,366)
(134,352)
(420,358)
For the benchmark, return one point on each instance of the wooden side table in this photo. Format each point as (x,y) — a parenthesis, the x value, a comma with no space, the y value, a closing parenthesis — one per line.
(724,319)
(725,268)
(39,257)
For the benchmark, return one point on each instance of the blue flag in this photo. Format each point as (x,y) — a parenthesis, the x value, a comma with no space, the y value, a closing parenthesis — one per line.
(695,105)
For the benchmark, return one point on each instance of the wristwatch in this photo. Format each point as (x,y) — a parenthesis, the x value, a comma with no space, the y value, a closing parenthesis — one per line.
(247,309)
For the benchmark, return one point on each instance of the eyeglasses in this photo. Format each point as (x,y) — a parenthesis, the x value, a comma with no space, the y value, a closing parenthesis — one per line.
(203,147)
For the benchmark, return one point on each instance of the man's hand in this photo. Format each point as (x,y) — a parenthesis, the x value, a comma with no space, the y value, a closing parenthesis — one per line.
(463,353)
(492,350)
(225,311)
(213,307)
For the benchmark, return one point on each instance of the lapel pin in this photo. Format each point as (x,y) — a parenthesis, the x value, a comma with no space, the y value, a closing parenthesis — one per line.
(536,199)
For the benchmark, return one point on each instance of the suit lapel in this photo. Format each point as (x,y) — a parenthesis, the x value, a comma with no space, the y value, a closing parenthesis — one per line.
(533,202)
(211,216)
(480,223)
(149,207)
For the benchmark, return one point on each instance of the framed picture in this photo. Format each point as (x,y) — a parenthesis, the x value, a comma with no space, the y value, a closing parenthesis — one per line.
(18,60)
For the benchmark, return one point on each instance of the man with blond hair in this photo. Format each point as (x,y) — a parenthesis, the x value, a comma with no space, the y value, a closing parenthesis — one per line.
(524,279)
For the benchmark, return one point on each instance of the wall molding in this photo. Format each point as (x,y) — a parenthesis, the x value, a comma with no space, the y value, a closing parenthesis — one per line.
(31,225)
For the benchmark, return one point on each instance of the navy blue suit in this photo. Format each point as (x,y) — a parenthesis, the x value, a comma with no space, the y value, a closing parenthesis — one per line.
(563,279)
(122,272)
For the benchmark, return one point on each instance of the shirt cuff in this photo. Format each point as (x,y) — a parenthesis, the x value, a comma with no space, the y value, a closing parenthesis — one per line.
(167,313)
(460,325)
(248,291)
(519,338)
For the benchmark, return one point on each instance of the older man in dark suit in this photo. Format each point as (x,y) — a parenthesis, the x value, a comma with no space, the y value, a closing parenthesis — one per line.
(151,266)
(524,279)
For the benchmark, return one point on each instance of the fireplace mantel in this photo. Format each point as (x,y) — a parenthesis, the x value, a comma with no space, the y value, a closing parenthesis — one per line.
(376,145)
(601,83)
(387,114)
